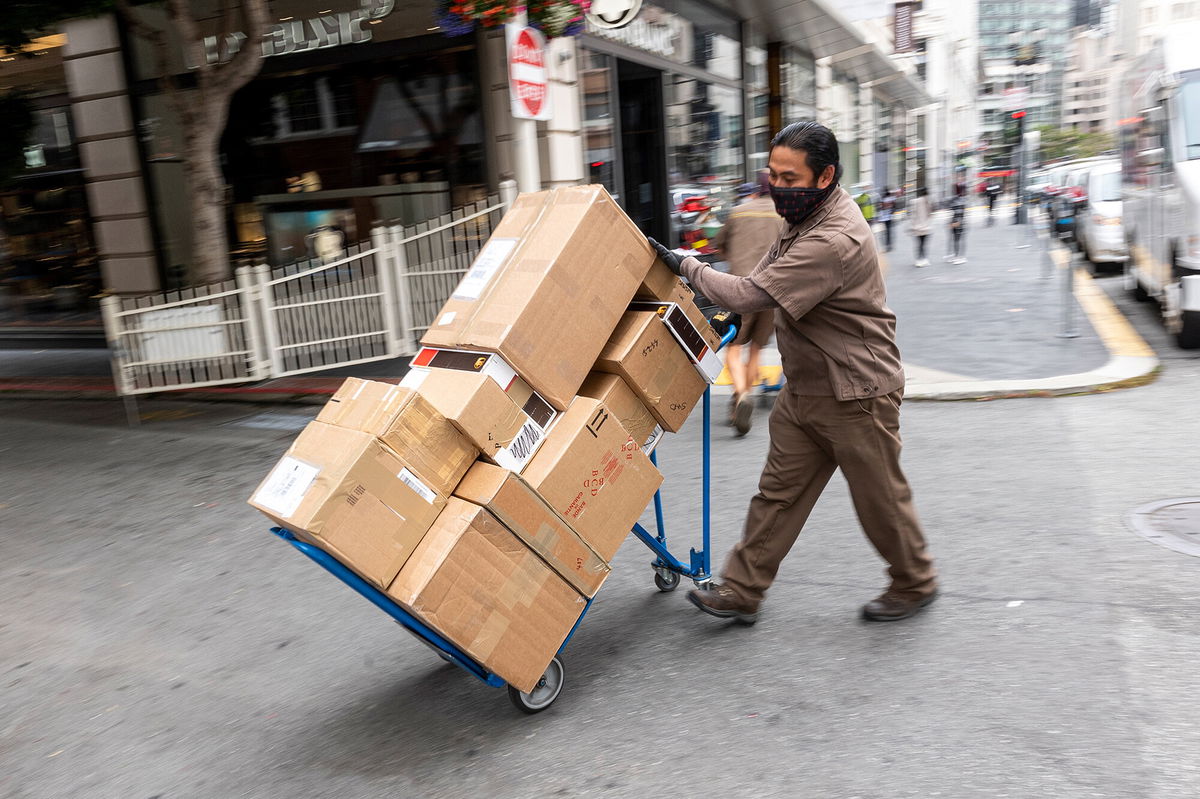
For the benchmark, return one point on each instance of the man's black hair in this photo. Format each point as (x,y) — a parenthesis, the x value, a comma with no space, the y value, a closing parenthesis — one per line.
(818,143)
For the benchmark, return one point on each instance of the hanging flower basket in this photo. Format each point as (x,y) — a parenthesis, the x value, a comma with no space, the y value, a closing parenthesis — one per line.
(554,18)
(457,17)
(558,17)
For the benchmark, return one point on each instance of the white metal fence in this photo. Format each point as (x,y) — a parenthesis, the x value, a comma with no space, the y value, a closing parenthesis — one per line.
(372,303)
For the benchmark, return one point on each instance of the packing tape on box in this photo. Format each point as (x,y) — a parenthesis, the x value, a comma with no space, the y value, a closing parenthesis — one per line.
(524,582)
(545,536)
(491,632)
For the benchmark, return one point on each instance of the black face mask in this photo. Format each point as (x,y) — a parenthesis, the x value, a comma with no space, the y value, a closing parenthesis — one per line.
(795,204)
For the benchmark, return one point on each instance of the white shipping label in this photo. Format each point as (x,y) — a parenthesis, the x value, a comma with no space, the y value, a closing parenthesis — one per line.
(285,487)
(415,377)
(487,263)
(447,318)
(517,454)
(414,482)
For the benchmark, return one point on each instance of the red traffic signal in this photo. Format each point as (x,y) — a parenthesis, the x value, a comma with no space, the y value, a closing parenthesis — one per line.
(1018,114)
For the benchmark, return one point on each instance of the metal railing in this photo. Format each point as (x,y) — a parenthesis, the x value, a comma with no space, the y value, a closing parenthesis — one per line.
(371,303)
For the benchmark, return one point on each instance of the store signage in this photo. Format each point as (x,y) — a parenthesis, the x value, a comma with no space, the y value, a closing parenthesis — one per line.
(300,35)
(528,83)
(657,39)
(613,13)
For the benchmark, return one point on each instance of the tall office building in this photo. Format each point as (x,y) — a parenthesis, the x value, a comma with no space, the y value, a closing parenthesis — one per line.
(1023,48)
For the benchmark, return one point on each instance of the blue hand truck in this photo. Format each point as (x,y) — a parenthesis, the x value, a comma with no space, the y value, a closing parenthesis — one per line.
(667,571)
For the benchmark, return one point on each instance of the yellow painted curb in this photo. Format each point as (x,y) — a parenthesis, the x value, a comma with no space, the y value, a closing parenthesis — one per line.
(766,374)
(1119,337)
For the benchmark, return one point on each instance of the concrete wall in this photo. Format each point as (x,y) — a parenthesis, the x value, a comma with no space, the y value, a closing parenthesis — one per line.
(107,141)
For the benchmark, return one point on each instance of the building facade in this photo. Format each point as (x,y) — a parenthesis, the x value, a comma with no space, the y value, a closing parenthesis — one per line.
(1090,82)
(366,111)
(1023,46)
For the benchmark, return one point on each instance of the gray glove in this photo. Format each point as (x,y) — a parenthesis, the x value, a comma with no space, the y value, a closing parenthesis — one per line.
(666,256)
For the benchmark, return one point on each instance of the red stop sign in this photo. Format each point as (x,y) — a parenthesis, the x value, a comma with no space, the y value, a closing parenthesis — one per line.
(527,73)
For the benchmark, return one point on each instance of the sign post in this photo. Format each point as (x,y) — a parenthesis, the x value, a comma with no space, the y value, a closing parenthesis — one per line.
(529,94)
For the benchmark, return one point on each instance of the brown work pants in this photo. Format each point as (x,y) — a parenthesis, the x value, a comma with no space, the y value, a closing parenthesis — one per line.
(810,437)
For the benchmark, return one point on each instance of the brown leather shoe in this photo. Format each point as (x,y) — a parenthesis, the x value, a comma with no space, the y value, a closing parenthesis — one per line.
(724,603)
(743,415)
(890,606)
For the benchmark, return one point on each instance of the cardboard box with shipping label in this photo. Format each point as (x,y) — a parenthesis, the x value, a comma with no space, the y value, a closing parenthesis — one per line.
(618,397)
(477,406)
(510,499)
(351,495)
(644,352)
(427,442)
(548,288)
(664,286)
(696,336)
(482,588)
(594,475)
(535,413)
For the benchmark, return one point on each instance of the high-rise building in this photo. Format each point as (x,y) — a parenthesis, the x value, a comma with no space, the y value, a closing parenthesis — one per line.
(1023,47)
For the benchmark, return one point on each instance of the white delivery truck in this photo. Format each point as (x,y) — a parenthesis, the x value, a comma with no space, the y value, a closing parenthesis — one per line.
(1160,169)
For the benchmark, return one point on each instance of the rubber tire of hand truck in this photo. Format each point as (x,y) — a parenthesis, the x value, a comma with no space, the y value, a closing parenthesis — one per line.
(546,691)
(666,584)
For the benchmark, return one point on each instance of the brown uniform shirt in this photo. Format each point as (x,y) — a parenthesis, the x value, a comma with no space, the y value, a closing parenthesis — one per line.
(835,333)
(752,228)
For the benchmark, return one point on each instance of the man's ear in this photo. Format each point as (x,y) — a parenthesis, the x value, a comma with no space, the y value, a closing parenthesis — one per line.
(826,177)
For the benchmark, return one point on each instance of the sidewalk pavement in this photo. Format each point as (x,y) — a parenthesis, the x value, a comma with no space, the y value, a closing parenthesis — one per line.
(985,329)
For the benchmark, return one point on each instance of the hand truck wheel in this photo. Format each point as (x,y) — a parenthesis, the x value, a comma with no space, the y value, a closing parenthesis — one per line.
(666,582)
(544,693)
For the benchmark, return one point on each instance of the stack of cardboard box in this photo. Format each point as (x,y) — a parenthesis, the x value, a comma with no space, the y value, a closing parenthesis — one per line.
(489,490)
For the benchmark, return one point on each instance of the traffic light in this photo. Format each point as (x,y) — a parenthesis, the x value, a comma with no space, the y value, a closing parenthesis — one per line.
(1019,118)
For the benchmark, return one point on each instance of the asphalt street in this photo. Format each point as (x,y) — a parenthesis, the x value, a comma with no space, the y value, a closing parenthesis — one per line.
(157,641)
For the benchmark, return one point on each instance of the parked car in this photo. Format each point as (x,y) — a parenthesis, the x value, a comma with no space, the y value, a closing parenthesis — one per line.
(1099,229)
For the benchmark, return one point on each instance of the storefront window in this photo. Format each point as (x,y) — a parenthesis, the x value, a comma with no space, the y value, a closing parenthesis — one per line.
(599,123)
(48,266)
(799,86)
(704,156)
(758,126)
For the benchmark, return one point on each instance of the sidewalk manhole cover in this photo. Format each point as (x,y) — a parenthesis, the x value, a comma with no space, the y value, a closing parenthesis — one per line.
(1170,523)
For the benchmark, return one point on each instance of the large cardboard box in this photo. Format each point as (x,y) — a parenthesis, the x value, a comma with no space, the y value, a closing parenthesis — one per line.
(353,496)
(618,397)
(548,288)
(645,353)
(478,585)
(428,443)
(594,475)
(507,497)
(479,408)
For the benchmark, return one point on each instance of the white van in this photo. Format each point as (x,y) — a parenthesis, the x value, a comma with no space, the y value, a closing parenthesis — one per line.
(1098,227)
(1160,168)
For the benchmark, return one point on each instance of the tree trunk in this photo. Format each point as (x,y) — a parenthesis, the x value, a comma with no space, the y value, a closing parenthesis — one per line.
(206,187)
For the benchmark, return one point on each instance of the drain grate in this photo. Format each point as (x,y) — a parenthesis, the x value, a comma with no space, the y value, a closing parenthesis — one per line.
(1170,523)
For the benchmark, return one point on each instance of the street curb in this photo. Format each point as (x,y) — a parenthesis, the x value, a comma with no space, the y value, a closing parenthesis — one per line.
(1131,361)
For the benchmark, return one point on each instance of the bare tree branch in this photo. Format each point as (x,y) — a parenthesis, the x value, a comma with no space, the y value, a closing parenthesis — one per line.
(181,14)
(248,60)
(157,38)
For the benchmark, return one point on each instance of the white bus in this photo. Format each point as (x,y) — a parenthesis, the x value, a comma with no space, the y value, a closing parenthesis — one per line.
(1160,168)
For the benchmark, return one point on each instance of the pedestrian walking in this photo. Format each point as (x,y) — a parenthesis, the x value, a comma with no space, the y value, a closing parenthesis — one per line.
(866,204)
(958,227)
(993,191)
(752,228)
(887,209)
(920,220)
(840,405)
